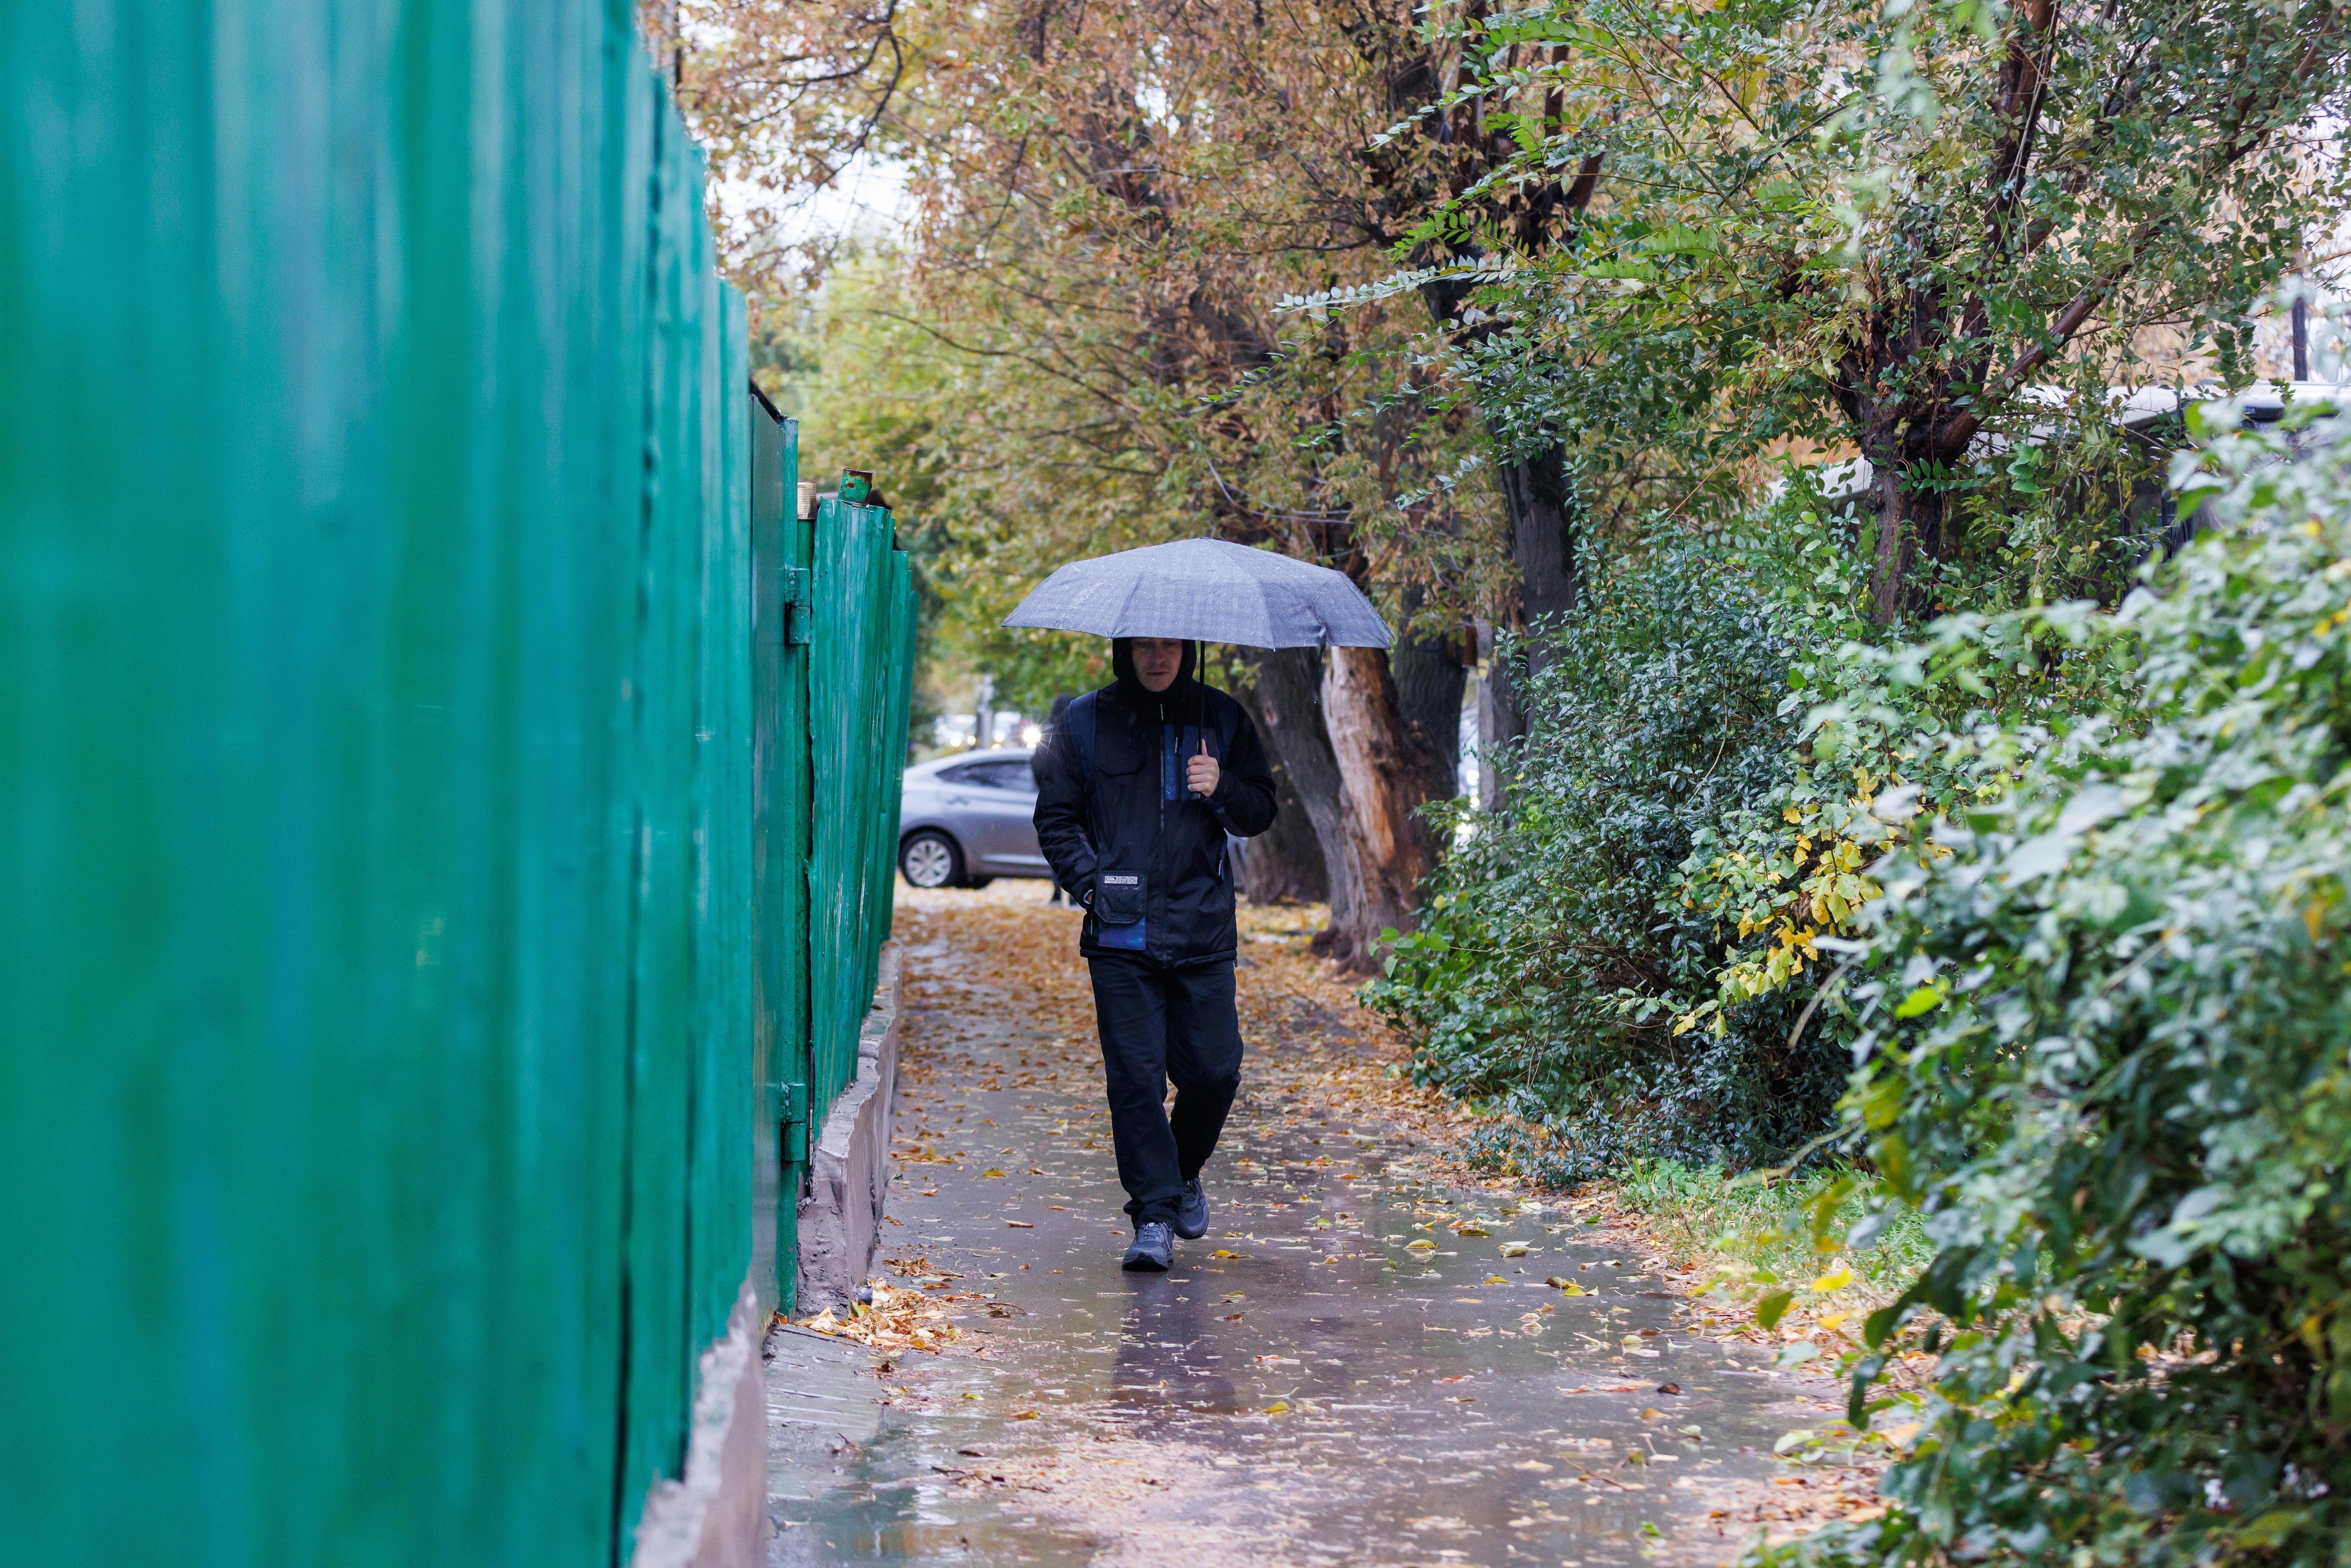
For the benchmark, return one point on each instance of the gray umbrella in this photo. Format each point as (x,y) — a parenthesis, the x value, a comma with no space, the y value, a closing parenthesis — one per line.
(1207,589)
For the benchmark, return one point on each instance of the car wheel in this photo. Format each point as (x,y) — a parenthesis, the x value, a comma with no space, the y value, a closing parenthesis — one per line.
(930,859)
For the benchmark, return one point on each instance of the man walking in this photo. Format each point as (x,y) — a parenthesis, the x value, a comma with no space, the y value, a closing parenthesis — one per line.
(1136,787)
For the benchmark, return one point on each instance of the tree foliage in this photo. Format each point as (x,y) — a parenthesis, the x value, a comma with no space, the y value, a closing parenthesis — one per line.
(1556,952)
(2102,1045)
(1921,233)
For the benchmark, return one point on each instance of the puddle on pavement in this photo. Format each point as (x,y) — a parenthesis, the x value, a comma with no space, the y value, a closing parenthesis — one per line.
(1358,1382)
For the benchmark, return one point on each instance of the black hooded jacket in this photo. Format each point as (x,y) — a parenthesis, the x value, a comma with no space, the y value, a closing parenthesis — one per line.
(1137,846)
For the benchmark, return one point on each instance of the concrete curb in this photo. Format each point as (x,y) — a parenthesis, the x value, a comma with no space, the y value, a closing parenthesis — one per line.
(849,1161)
(717,1516)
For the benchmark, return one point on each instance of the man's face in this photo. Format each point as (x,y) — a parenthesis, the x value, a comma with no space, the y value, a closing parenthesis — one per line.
(1157,662)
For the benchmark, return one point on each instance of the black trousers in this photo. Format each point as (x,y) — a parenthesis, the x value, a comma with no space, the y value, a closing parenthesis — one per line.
(1159,1024)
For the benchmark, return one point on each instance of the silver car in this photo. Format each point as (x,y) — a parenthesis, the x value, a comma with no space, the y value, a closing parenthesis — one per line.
(966,820)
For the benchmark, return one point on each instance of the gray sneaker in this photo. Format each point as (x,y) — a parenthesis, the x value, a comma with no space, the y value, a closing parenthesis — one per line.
(1192,1212)
(1152,1250)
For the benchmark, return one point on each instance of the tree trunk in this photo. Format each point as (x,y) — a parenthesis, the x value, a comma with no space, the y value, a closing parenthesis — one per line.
(1546,550)
(1384,775)
(1500,723)
(1284,863)
(1892,563)
(1543,543)
(1287,701)
(1429,679)
(1908,521)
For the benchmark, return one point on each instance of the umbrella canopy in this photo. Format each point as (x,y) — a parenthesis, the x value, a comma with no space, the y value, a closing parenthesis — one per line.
(1210,590)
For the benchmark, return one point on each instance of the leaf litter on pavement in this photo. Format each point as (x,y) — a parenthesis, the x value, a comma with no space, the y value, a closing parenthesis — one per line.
(1326,1103)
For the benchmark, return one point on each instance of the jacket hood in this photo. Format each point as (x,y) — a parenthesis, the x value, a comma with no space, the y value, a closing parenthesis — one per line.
(1130,689)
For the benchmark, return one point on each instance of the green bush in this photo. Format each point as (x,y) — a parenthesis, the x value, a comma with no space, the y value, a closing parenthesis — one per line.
(1555,952)
(2107,1061)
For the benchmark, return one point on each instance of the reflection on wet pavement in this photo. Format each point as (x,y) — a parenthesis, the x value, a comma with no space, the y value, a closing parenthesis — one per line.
(1357,1364)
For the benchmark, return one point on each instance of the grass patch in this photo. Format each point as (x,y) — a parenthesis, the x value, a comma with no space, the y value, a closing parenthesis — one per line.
(1755,1228)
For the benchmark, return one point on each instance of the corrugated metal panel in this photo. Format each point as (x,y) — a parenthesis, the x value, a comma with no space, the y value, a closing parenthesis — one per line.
(380,1105)
(854,680)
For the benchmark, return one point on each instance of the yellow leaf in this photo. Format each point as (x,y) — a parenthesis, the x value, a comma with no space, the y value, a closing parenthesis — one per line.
(1278,1407)
(1835,1279)
(1224,1253)
(1831,1319)
(991,1173)
(1514,1249)
(1024,1414)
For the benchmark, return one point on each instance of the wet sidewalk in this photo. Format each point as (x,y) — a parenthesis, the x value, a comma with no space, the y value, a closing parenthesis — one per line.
(1358,1364)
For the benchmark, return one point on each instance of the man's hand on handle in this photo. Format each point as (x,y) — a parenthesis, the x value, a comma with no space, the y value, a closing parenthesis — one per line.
(1201,774)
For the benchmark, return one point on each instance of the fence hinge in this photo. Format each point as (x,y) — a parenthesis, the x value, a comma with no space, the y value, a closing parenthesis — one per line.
(793,1101)
(797,613)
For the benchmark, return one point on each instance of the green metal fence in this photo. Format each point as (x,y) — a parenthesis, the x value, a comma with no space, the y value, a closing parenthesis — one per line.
(832,681)
(859,686)
(402,1013)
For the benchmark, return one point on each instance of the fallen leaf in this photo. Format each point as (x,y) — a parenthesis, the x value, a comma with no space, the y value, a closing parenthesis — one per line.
(1514,1249)
(1669,1388)
(1835,1279)
(1024,1414)
(1224,1253)
(1566,1287)
(991,1171)
(1020,1224)
(1278,1407)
